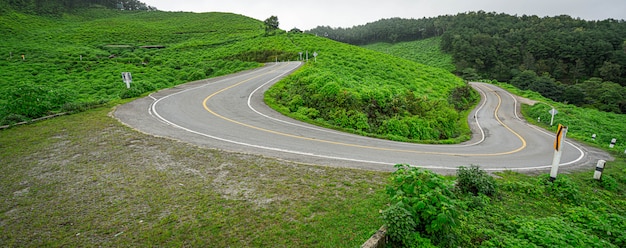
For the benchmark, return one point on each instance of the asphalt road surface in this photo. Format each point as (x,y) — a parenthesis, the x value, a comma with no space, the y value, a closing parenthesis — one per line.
(228,113)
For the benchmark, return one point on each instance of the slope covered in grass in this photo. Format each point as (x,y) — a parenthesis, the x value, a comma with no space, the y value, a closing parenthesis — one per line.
(77,61)
(426,51)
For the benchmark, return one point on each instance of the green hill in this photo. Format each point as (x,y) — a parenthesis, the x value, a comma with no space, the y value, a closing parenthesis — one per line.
(76,61)
(425,51)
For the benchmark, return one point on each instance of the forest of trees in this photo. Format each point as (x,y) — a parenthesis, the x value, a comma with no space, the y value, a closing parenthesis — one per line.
(55,7)
(561,57)
(386,30)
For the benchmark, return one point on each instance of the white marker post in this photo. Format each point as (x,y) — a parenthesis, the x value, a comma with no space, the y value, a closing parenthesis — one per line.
(300,55)
(127,79)
(558,150)
(315,56)
(599,169)
(553,111)
(613,141)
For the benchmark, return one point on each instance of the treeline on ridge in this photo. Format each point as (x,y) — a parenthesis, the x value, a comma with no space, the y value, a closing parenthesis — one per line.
(55,7)
(561,57)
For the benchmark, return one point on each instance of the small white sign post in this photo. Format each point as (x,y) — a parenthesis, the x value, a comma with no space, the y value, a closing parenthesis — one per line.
(127,79)
(315,56)
(300,55)
(553,111)
(558,150)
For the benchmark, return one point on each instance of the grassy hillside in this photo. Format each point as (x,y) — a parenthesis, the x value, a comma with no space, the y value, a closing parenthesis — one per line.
(80,58)
(426,51)
(76,61)
(372,93)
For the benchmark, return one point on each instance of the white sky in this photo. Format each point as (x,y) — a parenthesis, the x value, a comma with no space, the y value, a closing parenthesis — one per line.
(307,14)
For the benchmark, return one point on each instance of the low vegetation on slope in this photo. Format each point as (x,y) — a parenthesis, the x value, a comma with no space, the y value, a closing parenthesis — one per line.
(59,64)
(76,61)
(371,93)
(426,51)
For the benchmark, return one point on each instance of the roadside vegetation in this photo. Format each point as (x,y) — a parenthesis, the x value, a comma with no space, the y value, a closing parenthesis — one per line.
(74,62)
(561,57)
(86,180)
(475,210)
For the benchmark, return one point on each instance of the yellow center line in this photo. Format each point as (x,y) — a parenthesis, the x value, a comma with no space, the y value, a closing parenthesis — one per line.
(204,103)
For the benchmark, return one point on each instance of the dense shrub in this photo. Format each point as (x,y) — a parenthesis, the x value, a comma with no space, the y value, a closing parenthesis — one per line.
(426,197)
(475,181)
(32,101)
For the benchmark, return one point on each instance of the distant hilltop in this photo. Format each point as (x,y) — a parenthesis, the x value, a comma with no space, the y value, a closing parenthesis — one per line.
(55,7)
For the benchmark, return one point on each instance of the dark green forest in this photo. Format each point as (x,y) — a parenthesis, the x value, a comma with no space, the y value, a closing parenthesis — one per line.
(48,7)
(565,59)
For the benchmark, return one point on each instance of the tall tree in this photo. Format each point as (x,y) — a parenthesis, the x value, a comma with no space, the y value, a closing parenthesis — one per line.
(271,24)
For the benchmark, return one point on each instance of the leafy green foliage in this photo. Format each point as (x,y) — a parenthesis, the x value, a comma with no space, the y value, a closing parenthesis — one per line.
(362,91)
(81,56)
(32,101)
(563,189)
(426,197)
(609,183)
(57,7)
(562,52)
(348,88)
(400,224)
(271,24)
(573,211)
(475,181)
(426,51)
(390,30)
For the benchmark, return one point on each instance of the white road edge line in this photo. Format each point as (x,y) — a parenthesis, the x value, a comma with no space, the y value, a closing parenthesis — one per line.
(153,112)
(582,154)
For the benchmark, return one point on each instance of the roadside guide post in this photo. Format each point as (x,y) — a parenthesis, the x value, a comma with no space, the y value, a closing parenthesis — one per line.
(127,79)
(558,150)
(613,141)
(599,168)
(553,112)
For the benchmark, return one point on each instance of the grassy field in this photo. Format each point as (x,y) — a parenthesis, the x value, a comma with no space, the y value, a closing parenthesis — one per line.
(86,180)
(426,51)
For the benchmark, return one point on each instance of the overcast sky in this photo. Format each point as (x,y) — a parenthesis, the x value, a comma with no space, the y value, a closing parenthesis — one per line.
(307,14)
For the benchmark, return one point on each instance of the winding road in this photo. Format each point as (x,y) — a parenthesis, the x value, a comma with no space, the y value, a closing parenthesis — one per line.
(228,113)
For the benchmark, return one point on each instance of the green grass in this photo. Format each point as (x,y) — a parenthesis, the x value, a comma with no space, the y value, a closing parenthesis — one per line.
(86,180)
(79,59)
(582,123)
(426,51)
(527,212)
